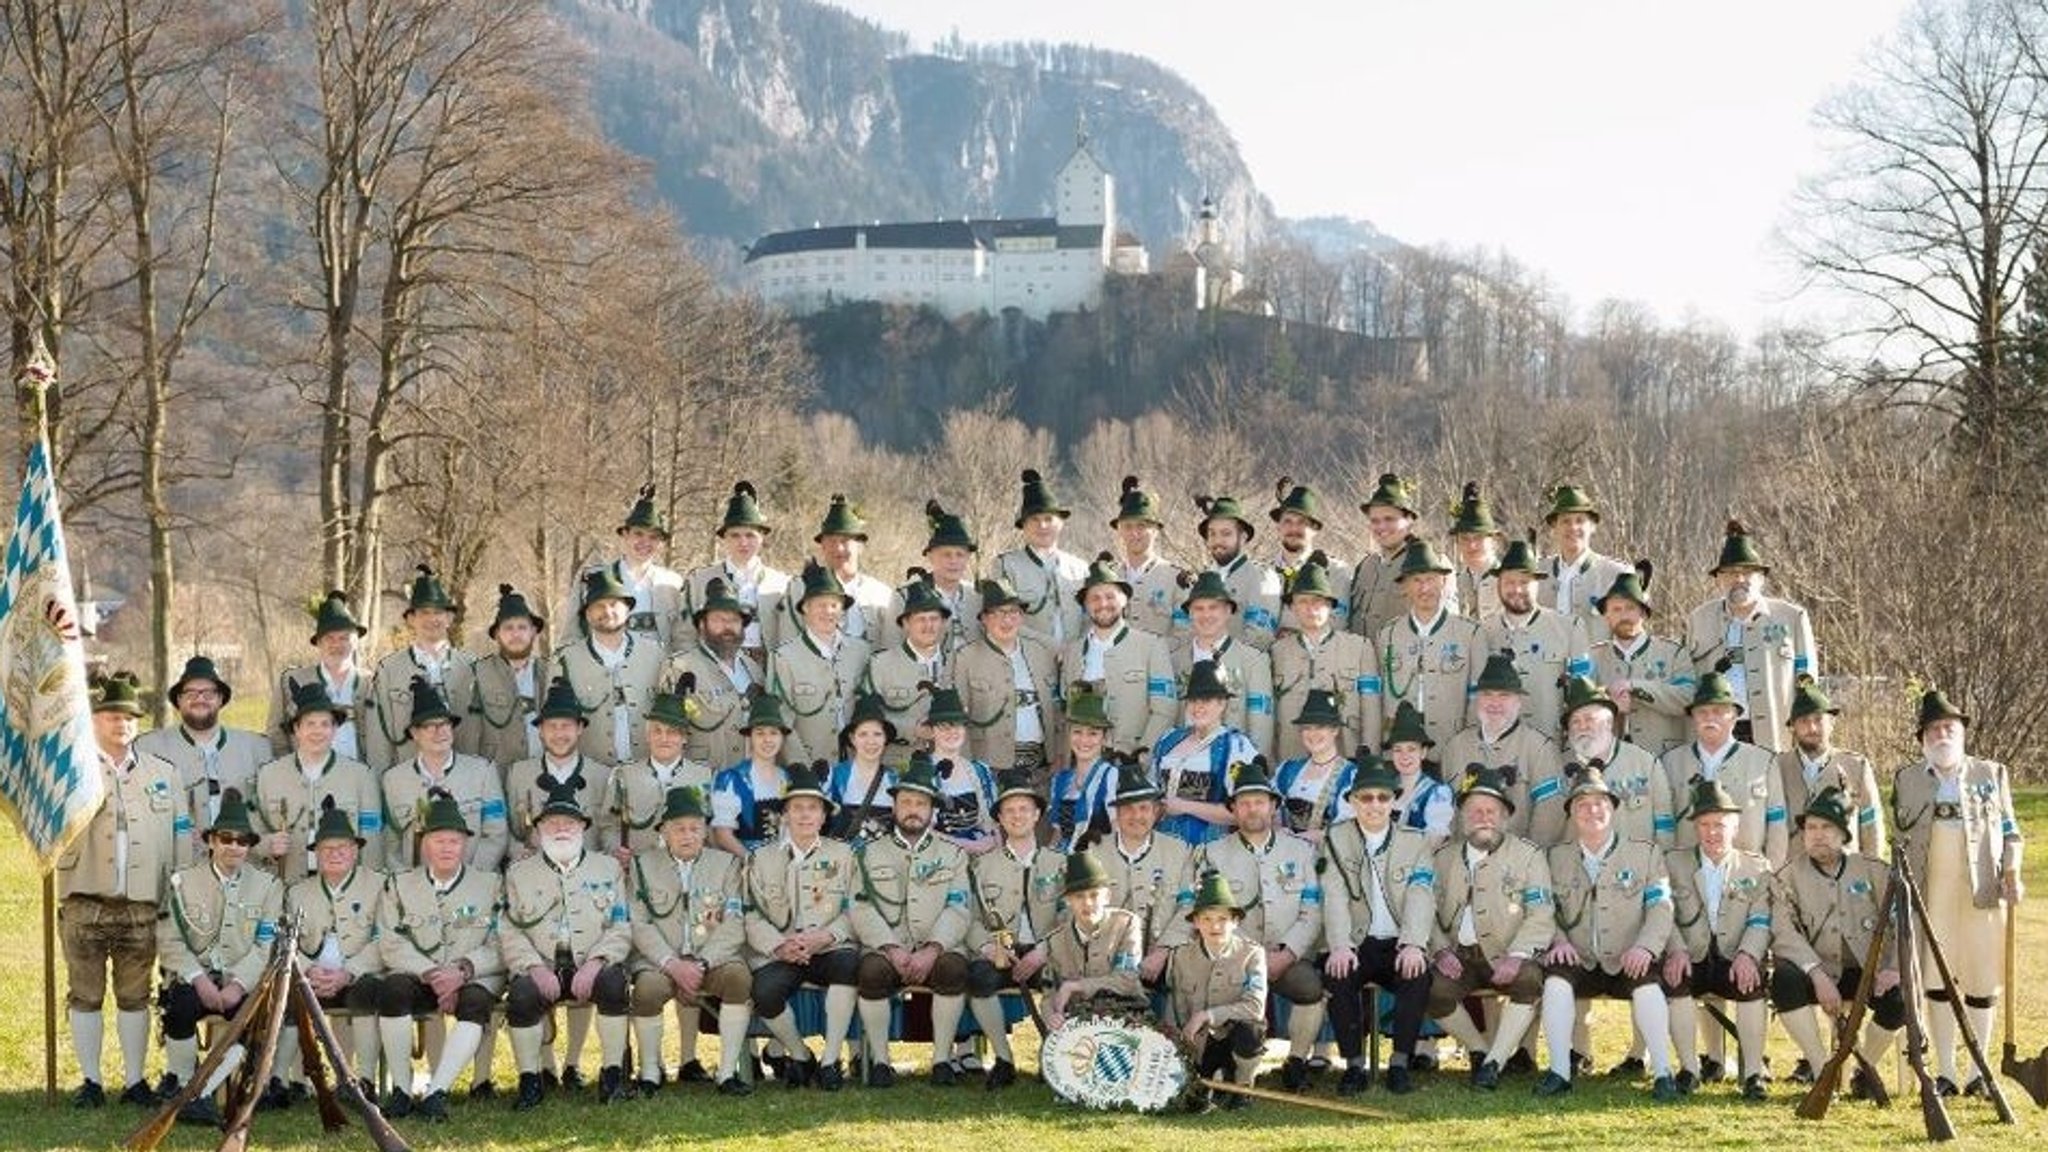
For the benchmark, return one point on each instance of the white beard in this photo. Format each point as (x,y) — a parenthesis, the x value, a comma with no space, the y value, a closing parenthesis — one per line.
(1944,754)
(562,850)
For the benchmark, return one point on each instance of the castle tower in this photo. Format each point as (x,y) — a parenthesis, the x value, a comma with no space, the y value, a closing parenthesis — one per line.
(1084,193)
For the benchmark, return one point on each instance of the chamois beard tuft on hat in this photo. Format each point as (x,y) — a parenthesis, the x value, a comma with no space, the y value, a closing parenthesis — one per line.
(1726,662)
(1282,487)
(1317,558)
(1204,503)
(1104,558)
(1184,578)
(755,692)
(839,498)
(1363,751)
(943,769)
(686,683)
(743,488)
(439,794)
(1573,770)
(1130,485)
(1470,494)
(421,684)
(916,574)
(647,490)
(1735,527)
(1804,680)
(927,687)
(1644,570)
(336,594)
(1531,536)
(715,588)
(934,512)
(1031,476)
(505,589)
(235,794)
(819,768)
(1390,479)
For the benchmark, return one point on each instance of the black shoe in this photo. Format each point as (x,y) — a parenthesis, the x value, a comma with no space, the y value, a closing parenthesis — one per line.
(881,1074)
(776,1066)
(167,1086)
(1664,1088)
(693,1072)
(1356,1080)
(1688,1082)
(397,1105)
(1486,1077)
(734,1086)
(572,1078)
(945,1074)
(1294,1074)
(970,1065)
(1001,1075)
(830,1077)
(1861,1087)
(1629,1068)
(1552,1084)
(1976,1088)
(549,1081)
(646,1089)
(90,1095)
(200,1112)
(612,1085)
(1520,1062)
(298,1092)
(483,1090)
(1400,1081)
(276,1097)
(1200,1099)
(1422,1062)
(1319,1064)
(1943,1086)
(532,1090)
(140,1094)
(1711,1071)
(1802,1072)
(433,1107)
(1235,1102)
(1582,1064)
(1753,1088)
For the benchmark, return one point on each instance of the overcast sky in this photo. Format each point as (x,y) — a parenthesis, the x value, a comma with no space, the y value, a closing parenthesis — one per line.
(1638,149)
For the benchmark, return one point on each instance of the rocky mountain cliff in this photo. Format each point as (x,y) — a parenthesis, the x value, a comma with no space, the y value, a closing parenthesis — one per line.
(763,115)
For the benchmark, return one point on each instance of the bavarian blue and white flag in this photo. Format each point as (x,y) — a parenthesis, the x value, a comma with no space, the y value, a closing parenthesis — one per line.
(49,761)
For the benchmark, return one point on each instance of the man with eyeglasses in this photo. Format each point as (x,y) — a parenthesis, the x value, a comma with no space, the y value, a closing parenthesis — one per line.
(210,756)
(1366,865)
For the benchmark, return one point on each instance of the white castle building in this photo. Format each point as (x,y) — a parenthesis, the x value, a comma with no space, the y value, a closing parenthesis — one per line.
(1037,265)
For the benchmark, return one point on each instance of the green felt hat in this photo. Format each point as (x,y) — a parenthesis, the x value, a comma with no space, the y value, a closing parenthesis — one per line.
(427,591)
(1591,782)
(1103,570)
(1713,688)
(512,605)
(1566,498)
(764,711)
(118,692)
(1408,727)
(673,708)
(743,510)
(1222,508)
(684,803)
(603,584)
(1205,682)
(1299,499)
(562,802)
(1501,675)
(309,698)
(1631,586)
(945,707)
(806,780)
(718,597)
(1319,708)
(1810,699)
(1017,782)
(200,668)
(1038,499)
(1134,503)
(1471,516)
(920,595)
(819,580)
(997,592)
(1209,585)
(1420,556)
(842,519)
(1709,797)
(444,814)
(561,703)
(1134,785)
(234,816)
(1518,557)
(429,705)
(643,514)
(1212,891)
(1586,692)
(1827,804)
(920,776)
(1370,773)
(1935,706)
(1087,709)
(1738,550)
(1250,777)
(334,823)
(947,529)
(1085,873)
(1393,491)
(1480,780)
(1312,579)
(332,615)
(866,707)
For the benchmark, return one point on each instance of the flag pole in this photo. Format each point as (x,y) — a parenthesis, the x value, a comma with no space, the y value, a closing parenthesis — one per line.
(38,373)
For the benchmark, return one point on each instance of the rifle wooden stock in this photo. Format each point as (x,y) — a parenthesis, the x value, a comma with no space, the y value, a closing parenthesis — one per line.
(1827,1080)
(1933,1113)
(277,989)
(151,1133)
(332,1119)
(1955,1000)
(382,1133)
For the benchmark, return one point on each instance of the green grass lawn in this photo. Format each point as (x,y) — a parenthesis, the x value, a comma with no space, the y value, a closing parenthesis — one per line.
(1444,1114)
